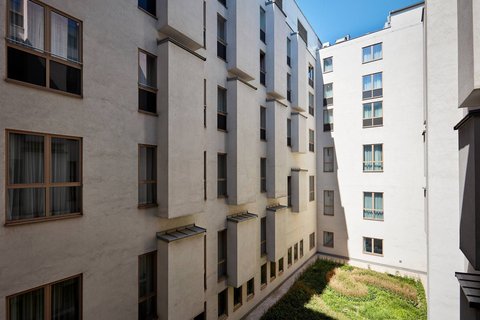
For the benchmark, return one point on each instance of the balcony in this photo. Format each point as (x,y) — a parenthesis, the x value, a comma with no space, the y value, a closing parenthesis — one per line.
(182,20)
(180,103)
(181,283)
(242,123)
(242,248)
(276,231)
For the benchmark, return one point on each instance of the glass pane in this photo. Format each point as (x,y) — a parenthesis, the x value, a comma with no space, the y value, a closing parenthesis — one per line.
(221,121)
(146,274)
(25,158)
(377,51)
(262,19)
(378,152)
(27,23)
(263,118)
(378,109)
(367,54)
(28,306)
(65,160)
(147,101)
(26,203)
(378,246)
(377,81)
(379,201)
(147,70)
(147,193)
(221,29)
(367,244)
(65,200)
(26,67)
(147,310)
(222,100)
(65,78)
(367,83)
(328,90)
(367,111)
(327,65)
(367,200)
(148,166)
(66,300)
(148,5)
(65,37)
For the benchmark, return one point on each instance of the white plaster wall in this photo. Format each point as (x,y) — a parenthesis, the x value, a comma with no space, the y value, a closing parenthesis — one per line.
(402,181)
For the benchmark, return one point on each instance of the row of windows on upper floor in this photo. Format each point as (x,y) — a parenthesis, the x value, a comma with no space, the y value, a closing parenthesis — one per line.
(369,54)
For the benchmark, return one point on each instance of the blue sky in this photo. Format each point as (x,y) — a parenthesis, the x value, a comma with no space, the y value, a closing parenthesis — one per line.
(333,19)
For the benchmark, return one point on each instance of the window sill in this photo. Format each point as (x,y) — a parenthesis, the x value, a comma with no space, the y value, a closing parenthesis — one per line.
(250,297)
(373,171)
(43,219)
(224,60)
(325,72)
(148,13)
(263,286)
(272,278)
(330,247)
(236,307)
(370,61)
(368,219)
(222,196)
(147,206)
(280,273)
(46,89)
(372,98)
(263,140)
(222,130)
(222,317)
(368,127)
(328,215)
(373,254)
(149,113)
(221,279)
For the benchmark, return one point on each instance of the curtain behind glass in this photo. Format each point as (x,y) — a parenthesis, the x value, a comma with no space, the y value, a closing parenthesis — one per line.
(147,70)
(28,306)
(367,83)
(377,51)
(377,81)
(367,111)
(146,275)
(27,23)
(221,100)
(328,91)
(378,205)
(367,157)
(263,23)
(66,300)
(26,159)
(378,109)
(65,37)
(367,54)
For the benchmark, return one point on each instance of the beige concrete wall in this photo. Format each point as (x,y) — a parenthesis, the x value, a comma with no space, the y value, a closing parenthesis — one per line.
(299,133)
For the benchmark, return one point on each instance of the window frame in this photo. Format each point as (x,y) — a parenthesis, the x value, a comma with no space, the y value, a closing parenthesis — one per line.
(147,87)
(373,246)
(328,101)
(281,266)
(263,32)
(371,52)
(151,294)
(301,249)
(46,52)
(372,91)
(289,257)
(263,276)
(295,252)
(324,70)
(263,68)
(327,244)
(250,295)
(327,127)
(311,189)
(373,209)
(263,240)
(373,162)
(311,140)
(222,113)
(221,277)
(328,162)
(289,87)
(263,126)
(289,52)
(325,203)
(225,314)
(311,240)
(224,180)
(311,76)
(148,12)
(373,118)
(220,41)
(239,291)
(311,104)
(47,184)
(263,175)
(48,296)
(141,182)
(273,275)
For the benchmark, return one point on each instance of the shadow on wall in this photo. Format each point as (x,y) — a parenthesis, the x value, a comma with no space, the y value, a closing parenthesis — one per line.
(331,213)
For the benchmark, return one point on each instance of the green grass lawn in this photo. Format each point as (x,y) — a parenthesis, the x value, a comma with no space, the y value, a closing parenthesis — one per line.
(331,291)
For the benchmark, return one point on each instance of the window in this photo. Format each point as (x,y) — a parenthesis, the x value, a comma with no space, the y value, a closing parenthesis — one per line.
(204,24)
(328,65)
(327,120)
(311,140)
(44,54)
(223,2)
(221,108)
(295,252)
(289,87)
(279,3)
(372,86)
(311,75)
(312,188)
(250,288)
(302,32)
(147,176)
(373,157)
(204,103)
(263,24)
(205,175)
(201,316)
(289,52)
(222,254)
(311,104)
(237,298)
(328,239)
(273,270)
(301,248)
(373,246)
(289,132)
(263,275)
(222,175)
(58,300)
(328,160)
(263,236)
(44,177)
(289,256)
(328,94)
(147,82)
(372,114)
(149,6)
(312,240)
(281,267)
(263,174)
(328,203)
(289,191)
(221,37)
(223,303)
(147,286)
(263,123)
(263,70)
(373,205)
(372,53)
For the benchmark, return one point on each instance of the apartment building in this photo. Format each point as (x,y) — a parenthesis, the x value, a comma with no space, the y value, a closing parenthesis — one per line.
(160,156)
(371,176)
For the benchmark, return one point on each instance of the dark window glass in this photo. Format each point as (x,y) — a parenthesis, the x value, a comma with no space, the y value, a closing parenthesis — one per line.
(222,303)
(237,296)
(263,123)
(66,300)
(263,24)
(222,254)
(250,287)
(221,108)
(149,6)
(263,275)
(289,132)
(223,2)
(289,191)
(147,101)
(263,175)
(30,305)
(302,32)
(65,78)
(263,236)
(280,265)
(221,38)
(222,175)
(147,179)
(273,270)
(147,286)
(26,67)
